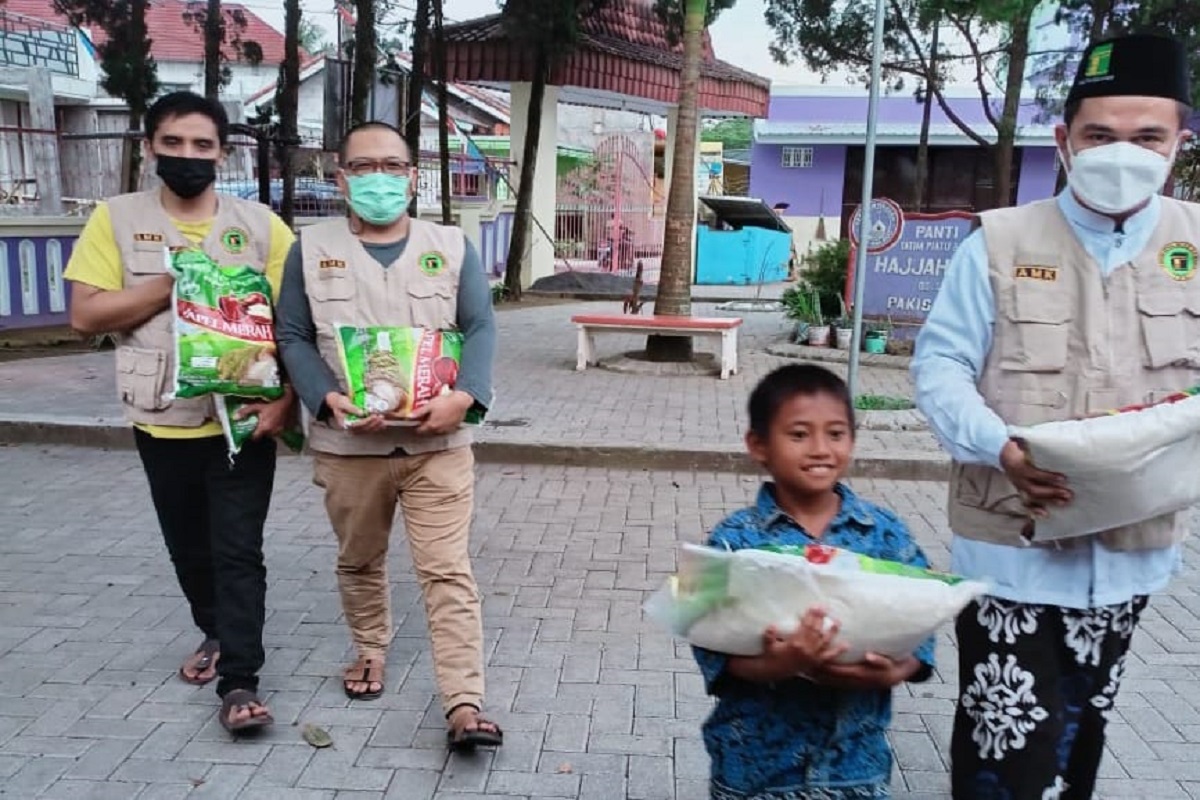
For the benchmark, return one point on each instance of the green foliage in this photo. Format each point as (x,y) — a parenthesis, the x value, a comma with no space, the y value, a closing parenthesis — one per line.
(735,134)
(825,271)
(882,402)
(802,304)
(1095,19)
(553,25)
(672,12)
(129,71)
(231,24)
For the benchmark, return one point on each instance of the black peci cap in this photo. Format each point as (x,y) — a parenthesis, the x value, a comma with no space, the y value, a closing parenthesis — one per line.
(1142,65)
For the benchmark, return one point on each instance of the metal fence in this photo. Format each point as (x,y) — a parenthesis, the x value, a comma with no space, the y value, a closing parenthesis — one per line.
(90,166)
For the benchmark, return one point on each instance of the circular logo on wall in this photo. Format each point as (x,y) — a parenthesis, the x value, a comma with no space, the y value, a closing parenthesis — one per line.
(886,225)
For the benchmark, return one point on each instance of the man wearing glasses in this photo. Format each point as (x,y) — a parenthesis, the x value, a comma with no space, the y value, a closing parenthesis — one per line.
(378,267)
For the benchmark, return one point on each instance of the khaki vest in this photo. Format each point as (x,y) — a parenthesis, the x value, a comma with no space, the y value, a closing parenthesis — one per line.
(1068,342)
(347,286)
(240,235)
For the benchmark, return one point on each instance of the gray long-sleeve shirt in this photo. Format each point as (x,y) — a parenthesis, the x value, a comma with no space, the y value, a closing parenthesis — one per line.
(312,377)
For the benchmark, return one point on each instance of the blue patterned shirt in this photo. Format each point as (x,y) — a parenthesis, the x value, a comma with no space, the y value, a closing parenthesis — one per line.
(796,740)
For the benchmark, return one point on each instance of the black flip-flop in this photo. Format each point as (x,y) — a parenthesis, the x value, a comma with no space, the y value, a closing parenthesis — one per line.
(243,698)
(208,651)
(467,740)
(369,670)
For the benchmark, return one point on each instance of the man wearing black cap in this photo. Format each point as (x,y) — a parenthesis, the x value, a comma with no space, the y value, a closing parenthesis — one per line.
(1055,310)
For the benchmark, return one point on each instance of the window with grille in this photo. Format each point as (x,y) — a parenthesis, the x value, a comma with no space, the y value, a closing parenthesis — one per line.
(797,157)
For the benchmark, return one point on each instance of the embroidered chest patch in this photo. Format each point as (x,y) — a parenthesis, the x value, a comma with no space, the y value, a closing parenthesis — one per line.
(432,263)
(1179,260)
(331,263)
(1048,274)
(234,240)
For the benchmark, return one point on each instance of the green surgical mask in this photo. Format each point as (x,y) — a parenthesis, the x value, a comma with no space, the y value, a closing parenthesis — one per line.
(378,198)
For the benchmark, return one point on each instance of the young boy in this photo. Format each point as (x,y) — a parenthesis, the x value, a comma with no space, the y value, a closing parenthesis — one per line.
(791,724)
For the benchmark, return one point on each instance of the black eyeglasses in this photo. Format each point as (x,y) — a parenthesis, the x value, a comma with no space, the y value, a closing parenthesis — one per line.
(365,166)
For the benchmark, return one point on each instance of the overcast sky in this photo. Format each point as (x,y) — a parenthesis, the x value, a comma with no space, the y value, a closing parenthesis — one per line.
(740,35)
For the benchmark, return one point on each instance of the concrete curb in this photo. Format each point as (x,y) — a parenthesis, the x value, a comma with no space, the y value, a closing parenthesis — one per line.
(106,434)
(831,355)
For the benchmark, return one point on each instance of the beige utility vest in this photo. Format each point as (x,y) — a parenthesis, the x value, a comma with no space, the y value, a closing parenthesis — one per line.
(240,235)
(1068,342)
(347,286)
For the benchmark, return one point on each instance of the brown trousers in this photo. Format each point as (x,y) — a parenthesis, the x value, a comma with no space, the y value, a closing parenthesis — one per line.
(436,493)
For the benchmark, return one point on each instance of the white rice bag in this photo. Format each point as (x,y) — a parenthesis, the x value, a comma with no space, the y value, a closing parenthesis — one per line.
(1123,468)
(724,600)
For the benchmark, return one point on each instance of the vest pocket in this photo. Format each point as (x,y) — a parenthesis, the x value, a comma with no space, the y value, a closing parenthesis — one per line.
(1168,329)
(1039,335)
(327,288)
(433,306)
(149,258)
(141,378)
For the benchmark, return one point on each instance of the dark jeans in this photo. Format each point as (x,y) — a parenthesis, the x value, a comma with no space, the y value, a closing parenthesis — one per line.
(212,515)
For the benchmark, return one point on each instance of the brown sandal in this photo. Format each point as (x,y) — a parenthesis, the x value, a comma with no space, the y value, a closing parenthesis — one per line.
(364,670)
(203,660)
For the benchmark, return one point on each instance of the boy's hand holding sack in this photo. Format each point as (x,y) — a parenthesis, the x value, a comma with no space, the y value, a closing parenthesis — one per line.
(1128,466)
(724,600)
(395,372)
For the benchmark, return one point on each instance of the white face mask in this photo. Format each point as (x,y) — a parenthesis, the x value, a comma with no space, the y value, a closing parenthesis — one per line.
(1118,177)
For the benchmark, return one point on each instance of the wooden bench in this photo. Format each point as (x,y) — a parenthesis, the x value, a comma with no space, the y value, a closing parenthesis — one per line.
(723,328)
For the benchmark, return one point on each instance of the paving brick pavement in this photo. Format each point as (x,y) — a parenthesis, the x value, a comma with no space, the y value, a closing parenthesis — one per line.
(596,703)
(539,397)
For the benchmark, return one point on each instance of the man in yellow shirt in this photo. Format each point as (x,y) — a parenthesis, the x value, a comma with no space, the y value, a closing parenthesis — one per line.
(211,511)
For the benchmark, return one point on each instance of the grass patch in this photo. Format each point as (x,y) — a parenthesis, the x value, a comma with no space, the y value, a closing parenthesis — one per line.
(882,402)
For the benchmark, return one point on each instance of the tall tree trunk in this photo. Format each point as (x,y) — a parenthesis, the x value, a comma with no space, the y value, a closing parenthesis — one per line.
(289,107)
(138,103)
(1006,133)
(212,50)
(443,105)
(674,297)
(523,223)
(1101,11)
(923,145)
(416,88)
(363,81)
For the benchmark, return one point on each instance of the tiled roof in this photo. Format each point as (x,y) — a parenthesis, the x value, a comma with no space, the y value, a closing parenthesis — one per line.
(172,38)
(627,29)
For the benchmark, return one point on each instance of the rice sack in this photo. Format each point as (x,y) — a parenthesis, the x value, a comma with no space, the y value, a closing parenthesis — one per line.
(224,329)
(1131,465)
(395,372)
(724,600)
(239,431)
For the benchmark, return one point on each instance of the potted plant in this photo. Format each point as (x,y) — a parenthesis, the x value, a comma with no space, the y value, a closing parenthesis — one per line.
(844,326)
(802,304)
(876,338)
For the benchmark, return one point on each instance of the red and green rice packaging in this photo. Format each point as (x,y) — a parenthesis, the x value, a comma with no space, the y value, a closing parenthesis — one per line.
(239,431)
(224,329)
(397,371)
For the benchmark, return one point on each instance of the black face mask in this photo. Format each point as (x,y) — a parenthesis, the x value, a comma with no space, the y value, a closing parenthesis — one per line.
(186,177)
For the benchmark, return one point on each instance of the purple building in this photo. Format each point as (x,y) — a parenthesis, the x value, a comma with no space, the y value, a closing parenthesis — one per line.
(809,153)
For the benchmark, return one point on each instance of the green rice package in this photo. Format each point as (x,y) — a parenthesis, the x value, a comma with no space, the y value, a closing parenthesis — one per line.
(395,372)
(239,431)
(224,329)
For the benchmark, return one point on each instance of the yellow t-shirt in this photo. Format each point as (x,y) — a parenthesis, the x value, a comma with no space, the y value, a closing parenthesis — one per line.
(96,261)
